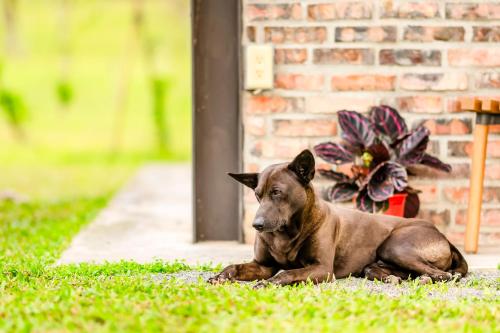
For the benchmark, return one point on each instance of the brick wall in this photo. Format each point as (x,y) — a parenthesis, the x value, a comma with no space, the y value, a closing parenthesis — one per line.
(417,56)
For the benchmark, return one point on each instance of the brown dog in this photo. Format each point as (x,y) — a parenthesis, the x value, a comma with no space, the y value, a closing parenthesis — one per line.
(309,238)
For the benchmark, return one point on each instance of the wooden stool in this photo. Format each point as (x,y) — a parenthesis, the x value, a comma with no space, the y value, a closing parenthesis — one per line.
(487,113)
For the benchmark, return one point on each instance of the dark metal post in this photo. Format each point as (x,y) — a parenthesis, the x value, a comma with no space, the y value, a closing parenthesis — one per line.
(216,119)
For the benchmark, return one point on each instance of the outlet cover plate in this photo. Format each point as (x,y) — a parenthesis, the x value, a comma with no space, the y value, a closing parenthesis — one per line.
(259,72)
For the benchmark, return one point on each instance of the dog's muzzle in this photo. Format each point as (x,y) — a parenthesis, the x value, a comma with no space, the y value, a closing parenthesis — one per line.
(258,223)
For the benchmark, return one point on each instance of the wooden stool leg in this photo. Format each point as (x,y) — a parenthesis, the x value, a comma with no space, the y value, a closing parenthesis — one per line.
(476,188)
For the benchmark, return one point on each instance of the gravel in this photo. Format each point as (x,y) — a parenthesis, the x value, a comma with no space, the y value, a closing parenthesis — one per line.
(477,284)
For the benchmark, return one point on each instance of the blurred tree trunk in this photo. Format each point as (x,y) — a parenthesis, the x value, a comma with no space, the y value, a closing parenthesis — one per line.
(64,89)
(10,21)
(159,88)
(159,85)
(129,55)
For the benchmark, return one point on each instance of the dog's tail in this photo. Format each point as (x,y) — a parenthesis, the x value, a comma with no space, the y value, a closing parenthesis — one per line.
(458,263)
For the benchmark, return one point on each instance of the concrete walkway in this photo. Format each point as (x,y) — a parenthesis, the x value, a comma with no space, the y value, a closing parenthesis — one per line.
(151,219)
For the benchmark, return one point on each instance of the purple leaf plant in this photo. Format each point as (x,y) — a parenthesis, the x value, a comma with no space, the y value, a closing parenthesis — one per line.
(379,147)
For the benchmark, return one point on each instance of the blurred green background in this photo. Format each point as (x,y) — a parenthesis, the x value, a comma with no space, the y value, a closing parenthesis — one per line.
(90,90)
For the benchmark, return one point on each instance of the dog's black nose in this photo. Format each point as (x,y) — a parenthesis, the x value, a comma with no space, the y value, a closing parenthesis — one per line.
(258,223)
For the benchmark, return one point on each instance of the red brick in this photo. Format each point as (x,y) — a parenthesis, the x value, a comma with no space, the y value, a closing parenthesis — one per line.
(265,12)
(249,195)
(453,105)
(430,34)
(460,195)
(363,82)
(494,129)
(448,126)
(489,80)
(290,56)
(433,148)
(257,104)
(249,198)
(492,171)
(255,126)
(322,165)
(299,81)
(251,34)
(455,237)
(436,82)
(489,238)
(486,34)
(252,167)
(305,127)
(474,57)
(365,34)
(410,57)
(340,10)
(489,217)
(419,104)
(409,9)
(333,104)
(439,217)
(473,11)
(298,35)
(464,148)
(345,168)
(429,192)
(256,148)
(283,148)
(337,56)
(459,171)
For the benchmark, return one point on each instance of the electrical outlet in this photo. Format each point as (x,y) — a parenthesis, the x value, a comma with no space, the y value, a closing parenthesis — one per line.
(259,67)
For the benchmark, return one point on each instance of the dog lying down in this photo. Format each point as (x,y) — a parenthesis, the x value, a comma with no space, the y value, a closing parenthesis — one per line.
(303,237)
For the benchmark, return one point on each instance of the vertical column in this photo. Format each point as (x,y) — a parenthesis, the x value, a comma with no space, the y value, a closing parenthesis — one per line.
(216,119)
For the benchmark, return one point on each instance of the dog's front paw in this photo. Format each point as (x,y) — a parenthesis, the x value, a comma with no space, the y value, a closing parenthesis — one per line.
(424,279)
(445,276)
(222,277)
(227,275)
(261,284)
(217,279)
(392,279)
(455,276)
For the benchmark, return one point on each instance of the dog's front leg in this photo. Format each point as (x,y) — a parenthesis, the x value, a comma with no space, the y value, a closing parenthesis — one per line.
(244,272)
(316,273)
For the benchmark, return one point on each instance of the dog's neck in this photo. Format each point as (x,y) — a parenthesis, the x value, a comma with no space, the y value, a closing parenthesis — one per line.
(312,214)
(304,222)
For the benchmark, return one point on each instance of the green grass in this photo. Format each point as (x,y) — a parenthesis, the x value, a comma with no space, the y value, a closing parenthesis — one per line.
(37,296)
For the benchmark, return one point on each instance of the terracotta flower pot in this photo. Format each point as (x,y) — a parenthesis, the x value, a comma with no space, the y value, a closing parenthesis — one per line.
(397,205)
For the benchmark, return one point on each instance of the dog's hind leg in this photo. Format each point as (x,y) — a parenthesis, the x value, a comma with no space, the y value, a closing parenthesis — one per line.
(384,272)
(412,261)
(419,249)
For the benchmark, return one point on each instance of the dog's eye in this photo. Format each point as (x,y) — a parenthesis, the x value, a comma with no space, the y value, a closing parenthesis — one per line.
(275,192)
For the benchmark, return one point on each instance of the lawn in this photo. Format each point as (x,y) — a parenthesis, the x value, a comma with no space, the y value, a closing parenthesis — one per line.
(37,296)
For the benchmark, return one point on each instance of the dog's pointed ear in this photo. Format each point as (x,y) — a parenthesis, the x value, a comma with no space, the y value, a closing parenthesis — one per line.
(303,166)
(247,179)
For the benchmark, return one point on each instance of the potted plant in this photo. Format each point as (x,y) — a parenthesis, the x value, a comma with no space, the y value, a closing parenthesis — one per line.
(379,147)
